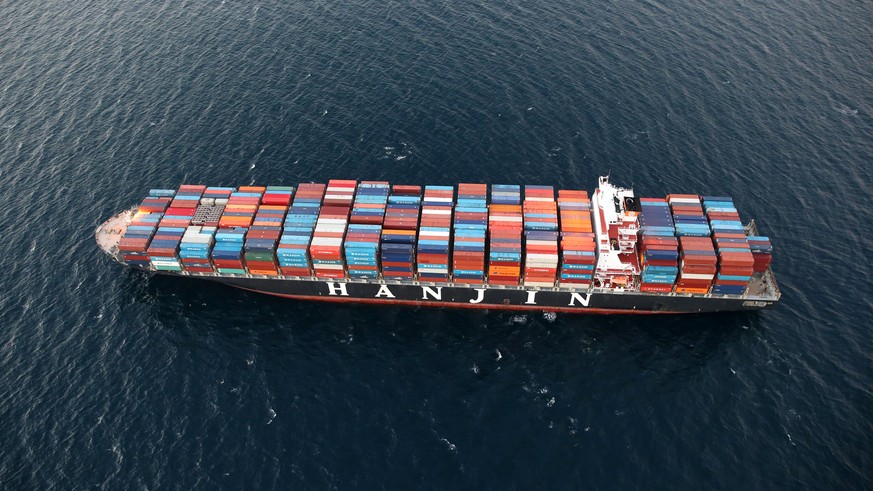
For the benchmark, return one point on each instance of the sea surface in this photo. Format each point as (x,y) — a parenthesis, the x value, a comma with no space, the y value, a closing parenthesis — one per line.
(113,379)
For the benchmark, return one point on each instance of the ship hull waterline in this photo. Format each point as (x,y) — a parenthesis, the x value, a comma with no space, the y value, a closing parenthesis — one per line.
(483,296)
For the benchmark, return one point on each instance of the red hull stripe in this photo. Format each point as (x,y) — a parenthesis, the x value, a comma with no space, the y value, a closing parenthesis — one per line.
(429,303)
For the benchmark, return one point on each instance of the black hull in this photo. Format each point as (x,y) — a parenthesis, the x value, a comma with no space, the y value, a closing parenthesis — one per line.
(489,297)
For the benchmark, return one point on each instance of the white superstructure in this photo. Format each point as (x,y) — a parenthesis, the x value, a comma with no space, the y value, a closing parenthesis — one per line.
(616,228)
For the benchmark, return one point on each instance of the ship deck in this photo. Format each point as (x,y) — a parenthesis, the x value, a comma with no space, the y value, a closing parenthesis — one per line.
(762,288)
(109,233)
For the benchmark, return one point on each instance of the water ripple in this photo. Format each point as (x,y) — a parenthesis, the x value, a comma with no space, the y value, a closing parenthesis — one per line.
(113,378)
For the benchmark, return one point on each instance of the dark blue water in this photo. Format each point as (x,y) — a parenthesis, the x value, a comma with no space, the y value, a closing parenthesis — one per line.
(112,379)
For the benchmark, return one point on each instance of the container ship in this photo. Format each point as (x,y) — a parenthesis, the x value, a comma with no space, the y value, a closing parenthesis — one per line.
(503,247)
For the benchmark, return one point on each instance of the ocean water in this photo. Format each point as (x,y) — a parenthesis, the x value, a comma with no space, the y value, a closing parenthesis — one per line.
(111,379)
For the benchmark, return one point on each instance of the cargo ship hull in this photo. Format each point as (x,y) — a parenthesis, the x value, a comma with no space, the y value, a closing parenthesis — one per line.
(370,243)
(595,301)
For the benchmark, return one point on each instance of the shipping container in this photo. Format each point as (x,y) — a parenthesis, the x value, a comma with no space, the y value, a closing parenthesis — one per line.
(505,226)
(577,241)
(658,245)
(468,236)
(400,232)
(292,253)
(434,234)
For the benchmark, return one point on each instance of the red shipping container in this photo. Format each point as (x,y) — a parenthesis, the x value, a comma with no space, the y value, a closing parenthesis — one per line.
(228,264)
(468,281)
(397,274)
(761,262)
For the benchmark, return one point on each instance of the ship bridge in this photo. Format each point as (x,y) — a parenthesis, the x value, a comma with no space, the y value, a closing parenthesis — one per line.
(616,224)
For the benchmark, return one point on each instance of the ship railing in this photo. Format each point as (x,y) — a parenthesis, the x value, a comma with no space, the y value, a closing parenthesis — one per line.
(770,280)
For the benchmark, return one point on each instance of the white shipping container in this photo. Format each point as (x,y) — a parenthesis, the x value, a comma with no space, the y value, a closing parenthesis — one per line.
(539,283)
(337,229)
(327,241)
(535,256)
(697,276)
(198,239)
(165,263)
(553,242)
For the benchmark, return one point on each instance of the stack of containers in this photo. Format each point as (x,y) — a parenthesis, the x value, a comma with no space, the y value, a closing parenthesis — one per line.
(340,192)
(227,252)
(361,249)
(735,263)
(722,214)
(157,201)
(278,196)
(293,250)
(183,206)
(762,252)
(162,193)
(735,260)
(470,227)
(365,229)
(659,248)
(219,194)
(541,236)
(326,248)
(370,201)
(194,249)
(698,265)
(135,241)
(434,233)
(505,224)
(188,195)
(263,236)
(655,218)
(540,209)
(239,210)
(578,247)
(659,258)
(399,232)
(241,207)
(163,252)
(688,215)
